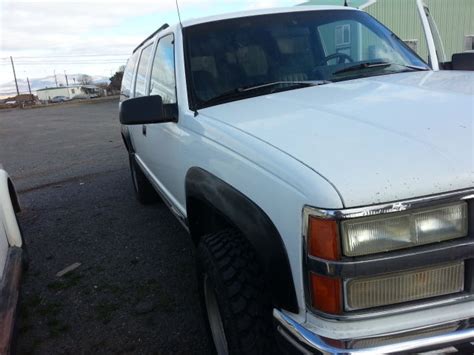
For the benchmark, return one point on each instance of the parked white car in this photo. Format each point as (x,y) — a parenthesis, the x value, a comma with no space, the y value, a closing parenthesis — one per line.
(324,171)
(12,260)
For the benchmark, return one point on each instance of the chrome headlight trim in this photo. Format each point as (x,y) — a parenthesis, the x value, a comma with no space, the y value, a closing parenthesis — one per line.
(463,248)
(389,207)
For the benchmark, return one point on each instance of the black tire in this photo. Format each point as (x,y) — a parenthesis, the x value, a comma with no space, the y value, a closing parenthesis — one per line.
(227,264)
(144,191)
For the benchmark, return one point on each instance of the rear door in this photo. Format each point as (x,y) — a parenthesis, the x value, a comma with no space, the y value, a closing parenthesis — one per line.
(138,133)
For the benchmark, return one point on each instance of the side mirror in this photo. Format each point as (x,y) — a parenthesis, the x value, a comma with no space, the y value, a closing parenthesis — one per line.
(463,61)
(146,110)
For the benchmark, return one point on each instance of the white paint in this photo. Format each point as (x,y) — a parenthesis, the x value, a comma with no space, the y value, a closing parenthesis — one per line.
(7,213)
(9,230)
(376,139)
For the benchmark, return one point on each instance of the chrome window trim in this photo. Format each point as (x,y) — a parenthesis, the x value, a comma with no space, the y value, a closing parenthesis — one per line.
(384,208)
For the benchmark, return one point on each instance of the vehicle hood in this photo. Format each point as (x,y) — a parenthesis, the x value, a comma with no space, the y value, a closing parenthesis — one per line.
(377,139)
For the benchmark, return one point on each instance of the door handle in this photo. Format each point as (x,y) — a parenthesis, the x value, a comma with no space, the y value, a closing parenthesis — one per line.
(144,130)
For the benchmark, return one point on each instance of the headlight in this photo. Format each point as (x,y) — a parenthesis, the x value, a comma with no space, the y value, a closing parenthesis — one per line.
(375,234)
(405,286)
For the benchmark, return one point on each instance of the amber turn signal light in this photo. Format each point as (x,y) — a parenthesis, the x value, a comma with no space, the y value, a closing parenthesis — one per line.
(326,294)
(323,239)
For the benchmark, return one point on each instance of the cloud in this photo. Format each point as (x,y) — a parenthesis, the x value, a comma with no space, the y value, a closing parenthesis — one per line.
(52,28)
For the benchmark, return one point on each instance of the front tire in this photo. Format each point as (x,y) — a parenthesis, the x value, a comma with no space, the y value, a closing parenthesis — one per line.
(144,191)
(233,291)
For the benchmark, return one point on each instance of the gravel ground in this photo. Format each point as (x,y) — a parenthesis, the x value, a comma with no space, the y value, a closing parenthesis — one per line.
(135,290)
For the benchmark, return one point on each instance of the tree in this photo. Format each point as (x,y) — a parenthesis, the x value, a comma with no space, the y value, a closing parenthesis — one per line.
(116,79)
(85,79)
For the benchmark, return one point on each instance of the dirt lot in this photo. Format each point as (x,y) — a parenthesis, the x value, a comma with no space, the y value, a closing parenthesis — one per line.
(135,291)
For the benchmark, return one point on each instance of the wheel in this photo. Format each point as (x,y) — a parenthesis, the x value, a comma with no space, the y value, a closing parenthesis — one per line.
(238,310)
(144,191)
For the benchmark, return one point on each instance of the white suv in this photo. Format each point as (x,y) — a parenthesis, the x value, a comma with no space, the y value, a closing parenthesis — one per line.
(324,172)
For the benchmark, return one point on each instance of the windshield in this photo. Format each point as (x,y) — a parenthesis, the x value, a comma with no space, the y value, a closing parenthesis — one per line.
(230,55)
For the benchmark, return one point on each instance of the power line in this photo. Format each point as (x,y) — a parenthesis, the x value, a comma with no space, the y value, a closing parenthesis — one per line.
(68,63)
(71,56)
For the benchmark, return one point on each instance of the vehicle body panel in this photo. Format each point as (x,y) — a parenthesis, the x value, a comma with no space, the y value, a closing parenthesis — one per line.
(10,261)
(397,135)
(7,212)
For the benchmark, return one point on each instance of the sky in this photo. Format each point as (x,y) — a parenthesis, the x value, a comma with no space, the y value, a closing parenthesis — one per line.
(93,37)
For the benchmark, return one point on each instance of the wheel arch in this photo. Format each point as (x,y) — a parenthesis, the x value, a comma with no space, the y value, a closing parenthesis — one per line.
(13,196)
(213,204)
(127,141)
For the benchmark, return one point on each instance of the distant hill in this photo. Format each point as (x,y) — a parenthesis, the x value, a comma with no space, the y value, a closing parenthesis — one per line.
(8,89)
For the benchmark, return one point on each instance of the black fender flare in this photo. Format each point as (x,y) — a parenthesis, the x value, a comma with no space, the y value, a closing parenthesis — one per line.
(127,141)
(252,221)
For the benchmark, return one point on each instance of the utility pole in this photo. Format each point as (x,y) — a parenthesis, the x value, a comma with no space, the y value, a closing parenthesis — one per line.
(14,75)
(55,79)
(67,83)
(29,87)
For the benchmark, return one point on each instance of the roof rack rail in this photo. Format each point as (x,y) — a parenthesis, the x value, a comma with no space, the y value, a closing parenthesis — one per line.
(150,36)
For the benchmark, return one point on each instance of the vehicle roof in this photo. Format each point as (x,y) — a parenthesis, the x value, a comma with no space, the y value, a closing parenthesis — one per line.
(232,15)
(248,13)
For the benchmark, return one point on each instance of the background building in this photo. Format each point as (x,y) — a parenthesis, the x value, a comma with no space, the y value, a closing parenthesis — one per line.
(71,92)
(454,18)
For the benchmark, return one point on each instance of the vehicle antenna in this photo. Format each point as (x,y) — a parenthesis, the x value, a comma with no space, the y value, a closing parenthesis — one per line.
(179,15)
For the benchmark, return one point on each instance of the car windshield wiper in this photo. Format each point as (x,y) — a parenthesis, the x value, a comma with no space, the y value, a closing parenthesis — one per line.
(239,92)
(368,65)
(361,66)
(409,66)
(284,84)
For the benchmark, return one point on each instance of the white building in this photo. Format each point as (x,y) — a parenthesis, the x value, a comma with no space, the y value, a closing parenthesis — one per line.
(71,92)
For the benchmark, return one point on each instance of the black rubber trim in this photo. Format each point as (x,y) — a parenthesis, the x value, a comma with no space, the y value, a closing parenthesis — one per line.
(127,141)
(255,225)
(14,197)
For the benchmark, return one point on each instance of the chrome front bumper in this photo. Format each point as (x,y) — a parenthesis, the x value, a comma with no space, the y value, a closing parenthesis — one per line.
(307,342)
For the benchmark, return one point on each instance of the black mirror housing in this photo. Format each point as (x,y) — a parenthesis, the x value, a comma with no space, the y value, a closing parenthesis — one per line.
(463,61)
(146,110)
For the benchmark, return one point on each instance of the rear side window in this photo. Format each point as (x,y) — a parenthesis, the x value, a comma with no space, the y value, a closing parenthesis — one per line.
(142,69)
(128,77)
(162,75)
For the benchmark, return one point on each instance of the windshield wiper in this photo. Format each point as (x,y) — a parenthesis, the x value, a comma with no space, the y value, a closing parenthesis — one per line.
(239,92)
(409,66)
(361,66)
(369,65)
(284,84)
